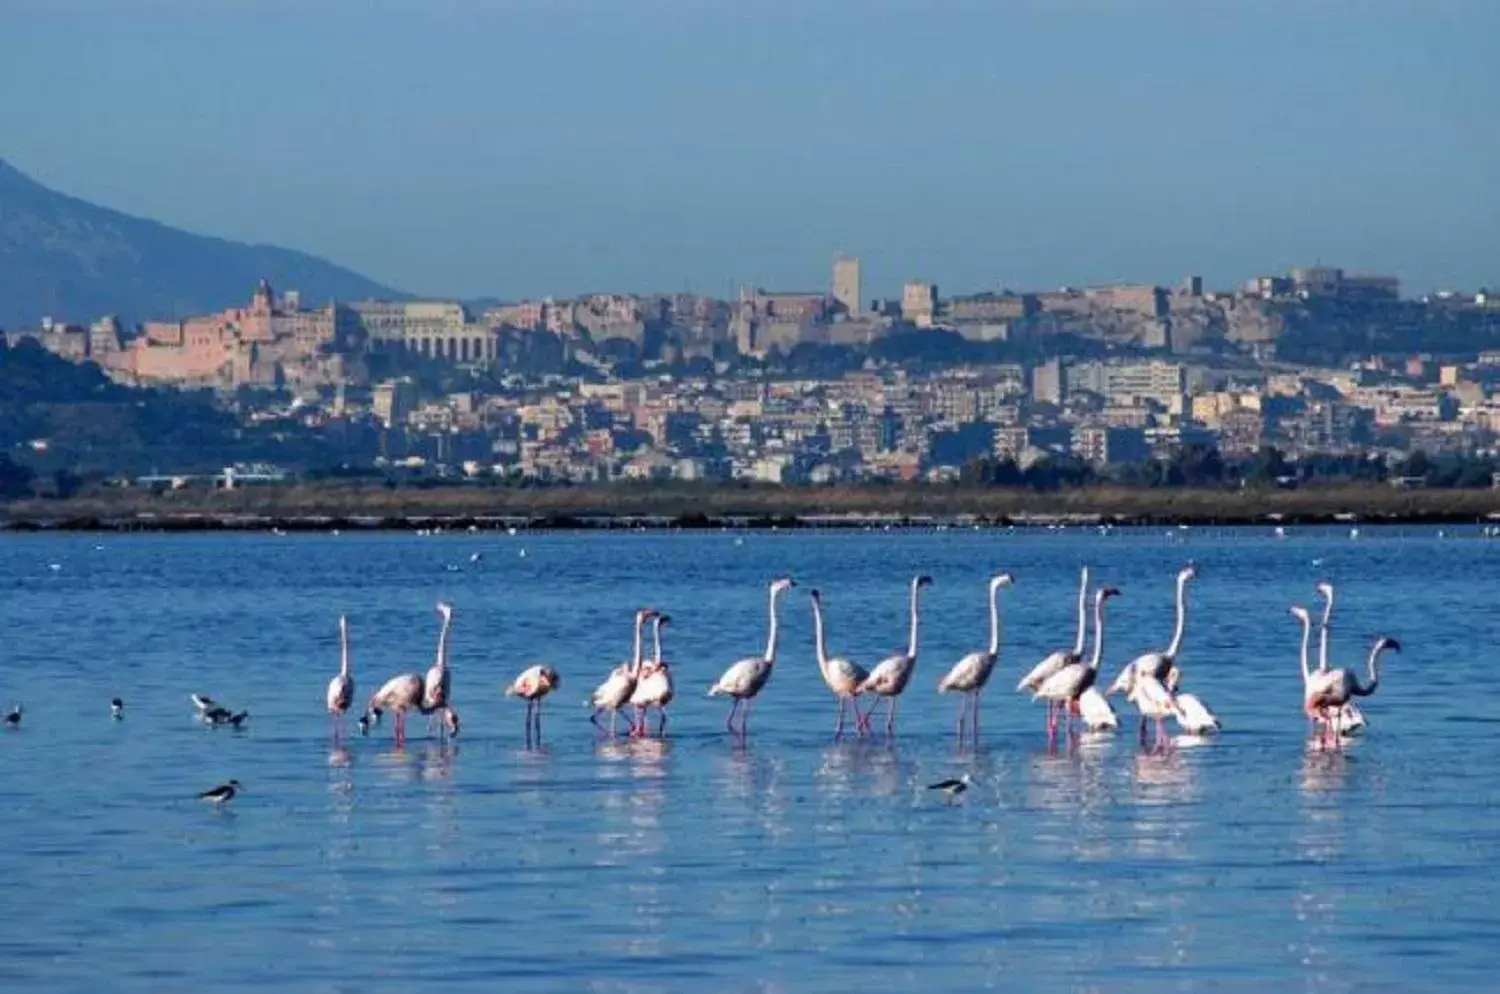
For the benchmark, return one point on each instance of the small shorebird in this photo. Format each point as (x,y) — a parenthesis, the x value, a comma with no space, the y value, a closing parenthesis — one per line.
(222,794)
(13,720)
(117,709)
(952,787)
(216,716)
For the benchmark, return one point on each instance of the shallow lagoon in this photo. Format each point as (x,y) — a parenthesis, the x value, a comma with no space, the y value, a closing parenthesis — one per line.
(795,863)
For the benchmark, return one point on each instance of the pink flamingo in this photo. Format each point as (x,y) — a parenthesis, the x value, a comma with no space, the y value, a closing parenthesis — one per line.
(399,694)
(747,677)
(654,689)
(1062,689)
(534,683)
(341,687)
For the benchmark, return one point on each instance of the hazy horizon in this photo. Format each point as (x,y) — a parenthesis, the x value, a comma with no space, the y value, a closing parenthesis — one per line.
(543,148)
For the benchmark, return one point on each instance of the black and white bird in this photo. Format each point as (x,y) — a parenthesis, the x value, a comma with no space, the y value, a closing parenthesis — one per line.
(952,787)
(117,709)
(222,794)
(217,716)
(204,704)
(13,720)
(366,720)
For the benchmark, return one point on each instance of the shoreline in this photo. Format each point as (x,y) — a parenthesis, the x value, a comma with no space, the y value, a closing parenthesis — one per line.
(326,509)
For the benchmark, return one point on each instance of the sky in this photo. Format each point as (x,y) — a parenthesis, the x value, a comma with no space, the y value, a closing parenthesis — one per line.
(519,148)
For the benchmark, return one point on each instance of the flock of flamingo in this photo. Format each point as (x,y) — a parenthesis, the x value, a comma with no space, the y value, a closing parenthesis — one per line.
(1064,680)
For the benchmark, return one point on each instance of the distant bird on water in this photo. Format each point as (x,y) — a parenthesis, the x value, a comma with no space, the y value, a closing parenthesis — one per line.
(13,720)
(117,709)
(216,716)
(952,787)
(222,794)
(203,703)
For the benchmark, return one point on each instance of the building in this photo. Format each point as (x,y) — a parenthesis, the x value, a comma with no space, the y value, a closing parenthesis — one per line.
(846,285)
(919,302)
(432,329)
(392,401)
(1100,445)
(1047,382)
(1132,384)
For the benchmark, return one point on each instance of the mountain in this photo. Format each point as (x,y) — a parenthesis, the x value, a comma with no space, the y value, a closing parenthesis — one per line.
(72,260)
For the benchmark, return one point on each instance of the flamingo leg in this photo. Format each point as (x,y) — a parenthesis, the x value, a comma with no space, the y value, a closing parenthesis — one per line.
(400,728)
(661,722)
(890,717)
(745,718)
(974,717)
(729,722)
(838,722)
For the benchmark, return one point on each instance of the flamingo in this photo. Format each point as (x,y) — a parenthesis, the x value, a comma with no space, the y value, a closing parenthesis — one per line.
(534,683)
(970,674)
(615,691)
(891,675)
(1095,711)
(1062,657)
(745,678)
(399,694)
(1159,664)
(341,687)
(1153,699)
(1331,690)
(842,676)
(1193,716)
(436,687)
(1351,718)
(1063,688)
(654,688)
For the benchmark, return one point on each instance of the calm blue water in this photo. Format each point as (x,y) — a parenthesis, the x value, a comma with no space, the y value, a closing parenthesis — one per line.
(796,864)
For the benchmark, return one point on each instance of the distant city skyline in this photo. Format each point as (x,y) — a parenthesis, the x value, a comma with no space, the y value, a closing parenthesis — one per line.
(465,150)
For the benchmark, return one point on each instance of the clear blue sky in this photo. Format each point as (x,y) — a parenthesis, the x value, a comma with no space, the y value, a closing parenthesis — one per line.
(526,147)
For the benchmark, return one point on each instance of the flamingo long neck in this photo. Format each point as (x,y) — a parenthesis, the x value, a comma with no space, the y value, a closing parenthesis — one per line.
(994,619)
(820,639)
(1177,633)
(1306,641)
(771,635)
(1083,614)
(1323,635)
(911,643)
(343,648)
(656,643)
(1098,634)
(442,650)
(1365,690)
(635,658)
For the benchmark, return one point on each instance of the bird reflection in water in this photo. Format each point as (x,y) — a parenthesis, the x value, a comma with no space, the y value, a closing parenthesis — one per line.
(1325,767)
(843,764)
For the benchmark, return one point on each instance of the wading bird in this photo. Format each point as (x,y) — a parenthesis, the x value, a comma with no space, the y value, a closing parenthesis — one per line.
(1062,657)
(341,687)
(970,674)
(654,688)
(1062,689)
(745,678)
(222,794)
(1159,664)
(617,688)
(534,683)
(842,676)
(891,675)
